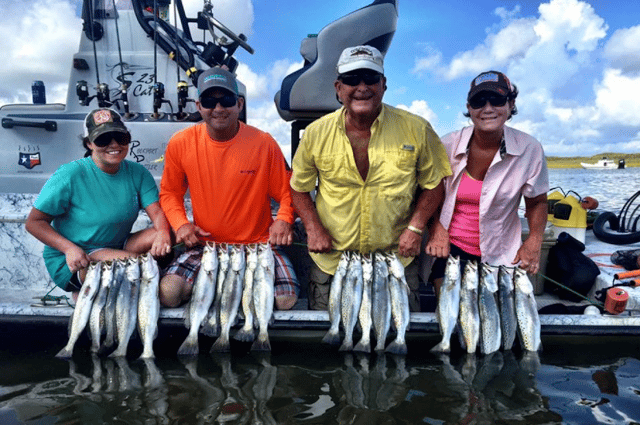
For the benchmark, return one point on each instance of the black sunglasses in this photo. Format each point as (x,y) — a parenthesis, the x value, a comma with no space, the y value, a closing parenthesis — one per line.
(355,79)
(104,140)
(478,101)
(227,101)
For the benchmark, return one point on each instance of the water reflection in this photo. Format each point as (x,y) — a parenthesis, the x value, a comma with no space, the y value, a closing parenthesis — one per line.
(268,389)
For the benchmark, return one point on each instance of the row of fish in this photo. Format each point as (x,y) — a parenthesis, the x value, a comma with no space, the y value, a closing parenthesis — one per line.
(114,298)
(488,311)
(371,290)
(231,275)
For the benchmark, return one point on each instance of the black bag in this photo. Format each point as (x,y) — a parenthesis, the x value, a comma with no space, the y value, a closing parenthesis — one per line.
(570,267)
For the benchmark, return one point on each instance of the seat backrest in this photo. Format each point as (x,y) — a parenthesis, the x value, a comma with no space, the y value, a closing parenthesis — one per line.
(309,93)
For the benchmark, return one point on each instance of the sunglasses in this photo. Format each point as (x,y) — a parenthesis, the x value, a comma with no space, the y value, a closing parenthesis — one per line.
(104,140)
(478,101)
(355,79)
(226,101)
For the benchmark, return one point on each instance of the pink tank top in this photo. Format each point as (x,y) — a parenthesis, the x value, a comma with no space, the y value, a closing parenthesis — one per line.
(464,230)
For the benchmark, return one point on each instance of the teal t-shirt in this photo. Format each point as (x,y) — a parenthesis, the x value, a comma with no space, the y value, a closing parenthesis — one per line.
(93,209)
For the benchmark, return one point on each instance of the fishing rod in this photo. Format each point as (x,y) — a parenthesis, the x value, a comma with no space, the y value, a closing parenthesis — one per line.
(124,84)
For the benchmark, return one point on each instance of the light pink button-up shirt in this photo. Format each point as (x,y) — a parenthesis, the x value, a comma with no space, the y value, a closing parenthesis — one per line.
(522,172)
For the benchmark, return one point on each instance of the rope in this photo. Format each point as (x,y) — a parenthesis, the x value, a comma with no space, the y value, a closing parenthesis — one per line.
(596,303)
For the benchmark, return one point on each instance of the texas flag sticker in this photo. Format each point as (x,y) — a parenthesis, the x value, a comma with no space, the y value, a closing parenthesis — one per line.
(29,160)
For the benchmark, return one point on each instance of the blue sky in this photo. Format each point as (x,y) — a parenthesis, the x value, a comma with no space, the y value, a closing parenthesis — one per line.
(576,63)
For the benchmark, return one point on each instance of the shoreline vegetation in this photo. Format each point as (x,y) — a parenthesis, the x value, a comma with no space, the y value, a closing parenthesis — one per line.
(631,160)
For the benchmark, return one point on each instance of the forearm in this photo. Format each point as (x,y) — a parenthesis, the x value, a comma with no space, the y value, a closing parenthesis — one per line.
(428,203)
(536,215)
(39,225)
(306,209)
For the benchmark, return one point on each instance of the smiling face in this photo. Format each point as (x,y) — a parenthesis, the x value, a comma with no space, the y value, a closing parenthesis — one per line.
(363,100)
(489,118)
(222,122)
(108,158)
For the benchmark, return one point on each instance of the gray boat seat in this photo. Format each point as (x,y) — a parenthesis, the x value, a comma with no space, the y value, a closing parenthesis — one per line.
(309,93)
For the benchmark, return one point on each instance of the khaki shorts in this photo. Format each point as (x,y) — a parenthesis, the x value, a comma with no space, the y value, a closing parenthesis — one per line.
(320,285)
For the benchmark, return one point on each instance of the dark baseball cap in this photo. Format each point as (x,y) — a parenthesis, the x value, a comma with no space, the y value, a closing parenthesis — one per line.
(492,81)
(217,77)
(102,121)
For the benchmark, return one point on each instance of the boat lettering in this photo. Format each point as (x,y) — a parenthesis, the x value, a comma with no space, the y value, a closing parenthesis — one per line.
(143,90)
(133,153)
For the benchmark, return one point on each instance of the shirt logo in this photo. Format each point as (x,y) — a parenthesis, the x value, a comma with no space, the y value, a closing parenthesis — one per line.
(29,160)
(251,172)
(408,148)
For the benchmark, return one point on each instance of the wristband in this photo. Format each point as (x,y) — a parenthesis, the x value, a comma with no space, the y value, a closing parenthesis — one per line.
(414,229)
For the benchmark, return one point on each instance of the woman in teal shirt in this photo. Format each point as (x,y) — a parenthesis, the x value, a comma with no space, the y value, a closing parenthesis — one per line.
(87,208)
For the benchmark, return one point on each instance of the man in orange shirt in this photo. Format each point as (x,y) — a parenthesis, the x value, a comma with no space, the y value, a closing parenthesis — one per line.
(232,171)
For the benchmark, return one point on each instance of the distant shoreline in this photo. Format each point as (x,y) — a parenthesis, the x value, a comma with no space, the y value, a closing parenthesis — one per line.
(631,160)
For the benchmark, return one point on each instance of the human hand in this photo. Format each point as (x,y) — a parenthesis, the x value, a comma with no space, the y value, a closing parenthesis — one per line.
(438,245)
(190,235)
(280,233)
(319,240)
(529,256)
(161,244)
(76,258)
(409,243)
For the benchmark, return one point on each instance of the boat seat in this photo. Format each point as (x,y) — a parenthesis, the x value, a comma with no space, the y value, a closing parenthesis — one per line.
(308,93)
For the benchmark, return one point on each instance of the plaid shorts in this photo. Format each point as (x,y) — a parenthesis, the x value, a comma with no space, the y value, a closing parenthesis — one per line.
(187,265)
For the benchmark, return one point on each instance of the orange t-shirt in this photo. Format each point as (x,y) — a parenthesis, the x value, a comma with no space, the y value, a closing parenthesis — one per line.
(231,183)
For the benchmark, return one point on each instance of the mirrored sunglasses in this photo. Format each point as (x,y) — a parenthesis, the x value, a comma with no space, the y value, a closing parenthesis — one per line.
(227,101)
(104,140)
(355,79)
(478,101)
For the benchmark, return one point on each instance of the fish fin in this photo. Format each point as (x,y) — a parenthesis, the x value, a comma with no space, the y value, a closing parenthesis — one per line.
(261,344)
(245,335)
(331,338)
(346,346)
(221,345)
(64,353)
(363,347)
(441,347)
(396,348)
(209,330)
(189,347)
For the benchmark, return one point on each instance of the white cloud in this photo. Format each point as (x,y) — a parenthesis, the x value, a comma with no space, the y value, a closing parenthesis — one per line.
(617,99)
(623,49)
(421,108)
(56,28)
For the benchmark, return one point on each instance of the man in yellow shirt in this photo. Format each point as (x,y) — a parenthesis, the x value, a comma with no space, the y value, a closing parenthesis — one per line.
(368,160)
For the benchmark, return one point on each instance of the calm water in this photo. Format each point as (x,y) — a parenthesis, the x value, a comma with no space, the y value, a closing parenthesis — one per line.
(573,381)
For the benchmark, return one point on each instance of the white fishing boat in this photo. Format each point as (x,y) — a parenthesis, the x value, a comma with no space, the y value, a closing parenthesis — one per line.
(604,164)
(125,61)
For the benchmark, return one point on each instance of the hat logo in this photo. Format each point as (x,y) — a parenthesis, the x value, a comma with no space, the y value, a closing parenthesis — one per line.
(361,51)
(214,77)
(101,117)
(486,78)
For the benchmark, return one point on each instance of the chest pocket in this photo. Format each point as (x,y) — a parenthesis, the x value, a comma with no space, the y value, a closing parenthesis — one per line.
(337,170)
(398,167)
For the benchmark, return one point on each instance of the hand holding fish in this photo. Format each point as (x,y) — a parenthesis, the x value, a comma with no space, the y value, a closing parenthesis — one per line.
(319,239)
(280,233)
(161,245)
(190,235)
(529,255)
(438,245)
(76,258)
(409,243)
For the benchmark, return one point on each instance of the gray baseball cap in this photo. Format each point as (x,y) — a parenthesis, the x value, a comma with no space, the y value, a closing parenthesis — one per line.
(217,77)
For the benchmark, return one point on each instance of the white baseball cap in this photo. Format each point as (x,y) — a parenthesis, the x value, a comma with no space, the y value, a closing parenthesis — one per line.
(360,57)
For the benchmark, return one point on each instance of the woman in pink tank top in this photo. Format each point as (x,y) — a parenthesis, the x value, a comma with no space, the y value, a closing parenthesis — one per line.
(493,166)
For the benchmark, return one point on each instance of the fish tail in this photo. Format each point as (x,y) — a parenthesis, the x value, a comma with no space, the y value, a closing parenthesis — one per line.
(261,344)
(65,353)
(347,345)
(147,354)
(210,330)
(245,335)
(363,347)
(331,338)
(442,347)
(189,347)
(222,345)
(396,347)
(121,351)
